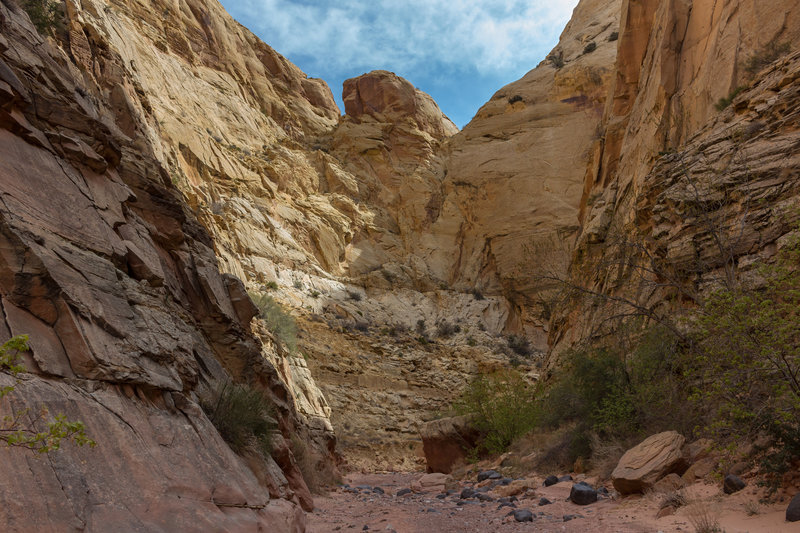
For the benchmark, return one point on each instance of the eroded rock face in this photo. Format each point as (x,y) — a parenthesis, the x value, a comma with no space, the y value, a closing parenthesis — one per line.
(647,462)
(515,173)
(130,319)
(447,441)
(666,149)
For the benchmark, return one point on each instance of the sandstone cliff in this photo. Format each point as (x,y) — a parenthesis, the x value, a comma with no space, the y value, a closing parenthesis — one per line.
(690,188)
(130,319)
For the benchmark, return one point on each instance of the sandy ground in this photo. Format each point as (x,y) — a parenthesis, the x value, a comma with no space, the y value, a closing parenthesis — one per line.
(342,510)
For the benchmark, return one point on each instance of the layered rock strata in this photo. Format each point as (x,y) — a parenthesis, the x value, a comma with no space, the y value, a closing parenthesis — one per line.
(130,320)
(693,189)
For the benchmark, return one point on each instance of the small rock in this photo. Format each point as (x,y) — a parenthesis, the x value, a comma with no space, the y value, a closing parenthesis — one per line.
(441,496)
(603,490)
(793,511)
(550,480)
(733,484)
(488,474)
(544,501)
(523,515)
(467,493)
(582,494)
(568,517)
(484,497)
(365,528)
(565,478)
(363,487)
(403,492)
(507,504)
(378,490)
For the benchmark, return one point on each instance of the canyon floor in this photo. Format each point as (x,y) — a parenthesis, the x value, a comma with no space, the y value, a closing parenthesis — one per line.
(356,505)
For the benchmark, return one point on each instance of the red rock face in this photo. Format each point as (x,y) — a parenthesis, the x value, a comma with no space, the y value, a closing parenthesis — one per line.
(386,97)
(129,318)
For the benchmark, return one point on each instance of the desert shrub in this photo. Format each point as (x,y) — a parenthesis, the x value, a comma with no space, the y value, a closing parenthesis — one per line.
(557,60)
(590,47)
(520,345)
(613,37)
(503,407)
(768,54)
(514,99)
(723,103)
(271,286)
(46,15)
(354,295)
(242,415)
(476,293)
(610,400)
(703,517)
(279,322)
(17,430)
(420,327)
(446,329)
(471,341)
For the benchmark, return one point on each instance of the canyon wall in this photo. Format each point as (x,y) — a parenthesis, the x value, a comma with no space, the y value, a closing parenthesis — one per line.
(131,322)
(690,186)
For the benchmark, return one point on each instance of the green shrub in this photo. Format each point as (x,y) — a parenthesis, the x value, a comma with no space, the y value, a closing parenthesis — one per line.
(604,396)
(242,415)
(46,15)
(747,364)
(15,430)
(503,408)
(271,286)
(279,322)
(723,103)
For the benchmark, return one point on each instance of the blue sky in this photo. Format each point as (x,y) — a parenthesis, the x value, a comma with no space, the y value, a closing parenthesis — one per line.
(459,51)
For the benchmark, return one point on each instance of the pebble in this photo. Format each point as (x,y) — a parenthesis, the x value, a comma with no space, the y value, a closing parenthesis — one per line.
(544,501)
(378,490)
(403,492)
(550,480)
(565,478)
(523,515)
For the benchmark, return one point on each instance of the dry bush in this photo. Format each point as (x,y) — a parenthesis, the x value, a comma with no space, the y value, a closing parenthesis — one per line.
(674,499)
(752,508)
(703,518)
(606,454)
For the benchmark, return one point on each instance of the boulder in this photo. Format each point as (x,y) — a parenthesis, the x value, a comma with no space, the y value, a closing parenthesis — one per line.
(700,469)
(733,484)
(518,486)
(446,441)
(550,480)
(649,461)
(489,474)
(669,483)
(793,511)
(435,482)
(582,494)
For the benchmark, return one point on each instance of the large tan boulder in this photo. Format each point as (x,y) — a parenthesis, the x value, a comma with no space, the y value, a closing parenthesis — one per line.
(649,461)
(435,482)
(446,442)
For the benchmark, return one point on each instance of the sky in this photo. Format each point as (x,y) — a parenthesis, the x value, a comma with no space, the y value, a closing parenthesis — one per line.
(459,51)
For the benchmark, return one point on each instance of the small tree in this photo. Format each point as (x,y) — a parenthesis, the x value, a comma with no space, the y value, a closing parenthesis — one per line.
(503,408)
(18,430)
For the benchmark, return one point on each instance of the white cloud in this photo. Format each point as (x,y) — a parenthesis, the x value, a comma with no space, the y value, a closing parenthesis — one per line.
(491,37)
